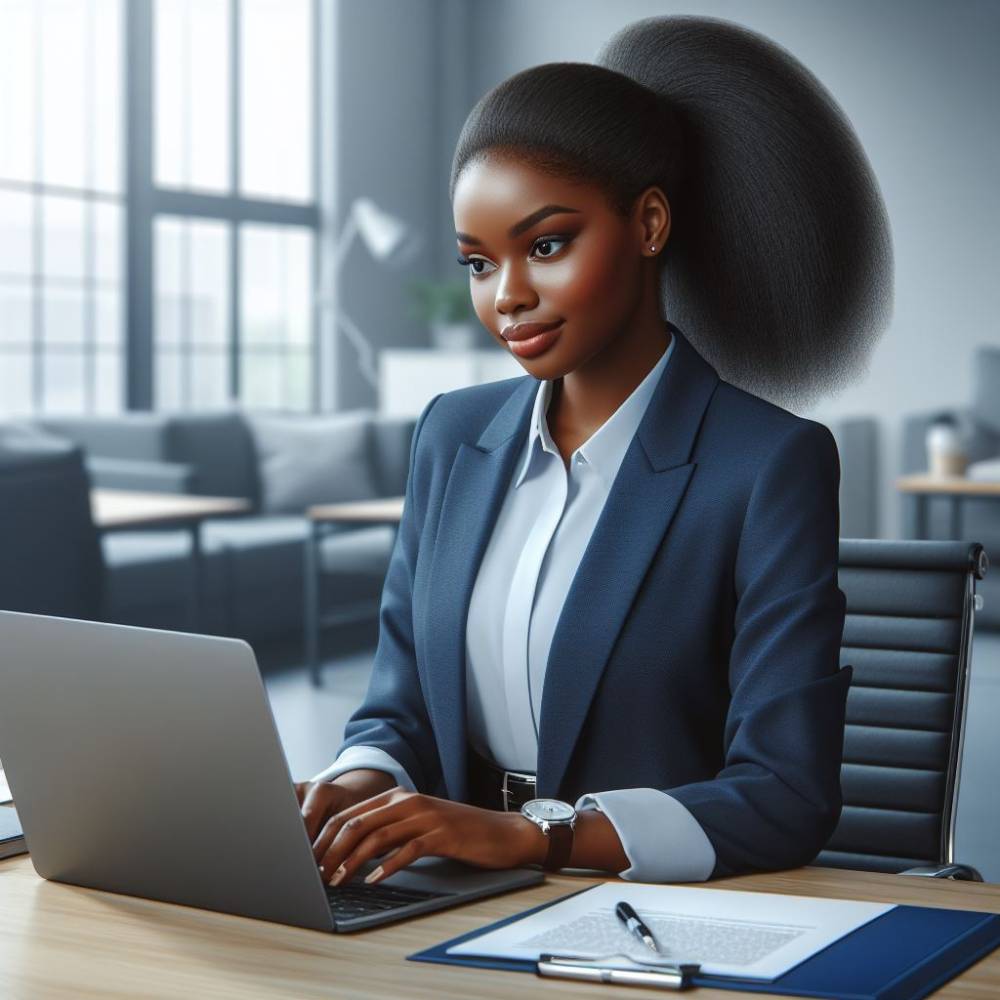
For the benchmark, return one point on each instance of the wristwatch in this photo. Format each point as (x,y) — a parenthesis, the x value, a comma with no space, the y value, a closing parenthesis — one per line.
(556,820)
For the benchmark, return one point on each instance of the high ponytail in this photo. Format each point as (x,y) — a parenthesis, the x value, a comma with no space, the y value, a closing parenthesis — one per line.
(778,267)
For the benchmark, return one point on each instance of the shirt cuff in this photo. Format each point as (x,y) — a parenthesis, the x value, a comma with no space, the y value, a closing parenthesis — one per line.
(660,837)
(356,757)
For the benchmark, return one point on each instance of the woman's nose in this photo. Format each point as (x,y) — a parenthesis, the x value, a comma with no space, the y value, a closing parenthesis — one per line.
(514,292)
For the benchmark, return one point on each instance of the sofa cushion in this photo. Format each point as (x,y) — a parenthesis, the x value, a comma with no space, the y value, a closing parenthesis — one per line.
(265,556)
(132,474)
(361,552)
(306,460)
(137,436)
(220,449)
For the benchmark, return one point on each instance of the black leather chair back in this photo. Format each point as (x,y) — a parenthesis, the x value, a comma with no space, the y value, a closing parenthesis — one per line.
(50,554)
(908,635)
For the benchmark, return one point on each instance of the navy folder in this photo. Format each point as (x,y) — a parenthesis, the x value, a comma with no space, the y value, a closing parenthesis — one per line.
(904,954)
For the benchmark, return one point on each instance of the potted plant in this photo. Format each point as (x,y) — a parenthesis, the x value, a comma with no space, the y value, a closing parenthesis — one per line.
(446,307)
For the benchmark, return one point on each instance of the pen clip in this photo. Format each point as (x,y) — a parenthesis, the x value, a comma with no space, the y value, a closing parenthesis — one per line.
(668,974)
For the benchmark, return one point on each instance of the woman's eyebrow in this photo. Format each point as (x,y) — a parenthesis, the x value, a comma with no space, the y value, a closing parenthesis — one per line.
(526,223)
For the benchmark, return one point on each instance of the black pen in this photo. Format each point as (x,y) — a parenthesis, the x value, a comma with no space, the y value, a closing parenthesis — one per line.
(631,920)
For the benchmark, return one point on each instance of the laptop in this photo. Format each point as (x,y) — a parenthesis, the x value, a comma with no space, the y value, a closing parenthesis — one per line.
(147,762)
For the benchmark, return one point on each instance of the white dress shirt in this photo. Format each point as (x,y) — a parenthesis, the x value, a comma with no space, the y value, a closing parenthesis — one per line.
(541,533)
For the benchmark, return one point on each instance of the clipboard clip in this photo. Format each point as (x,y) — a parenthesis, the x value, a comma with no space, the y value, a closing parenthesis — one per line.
(665,975)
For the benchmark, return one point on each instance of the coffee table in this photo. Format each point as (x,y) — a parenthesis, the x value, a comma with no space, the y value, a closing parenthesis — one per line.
(129,510)
(384,510)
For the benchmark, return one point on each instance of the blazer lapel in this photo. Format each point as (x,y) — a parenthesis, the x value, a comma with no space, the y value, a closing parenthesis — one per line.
(644,498)
(476,487)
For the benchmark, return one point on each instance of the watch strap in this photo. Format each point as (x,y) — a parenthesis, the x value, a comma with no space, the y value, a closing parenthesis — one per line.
(560,846)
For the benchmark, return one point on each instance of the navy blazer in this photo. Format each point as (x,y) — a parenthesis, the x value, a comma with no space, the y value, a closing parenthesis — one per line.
(698,648)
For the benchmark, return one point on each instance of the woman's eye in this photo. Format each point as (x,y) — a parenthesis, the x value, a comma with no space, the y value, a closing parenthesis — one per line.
(471,262)
(547,241)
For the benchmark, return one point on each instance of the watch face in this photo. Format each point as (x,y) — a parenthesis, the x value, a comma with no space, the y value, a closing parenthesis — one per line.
(551,810)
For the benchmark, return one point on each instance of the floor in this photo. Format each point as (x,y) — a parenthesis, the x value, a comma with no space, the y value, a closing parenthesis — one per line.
(311,725)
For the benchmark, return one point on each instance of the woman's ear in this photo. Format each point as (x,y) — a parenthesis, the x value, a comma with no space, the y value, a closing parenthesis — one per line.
(653,219)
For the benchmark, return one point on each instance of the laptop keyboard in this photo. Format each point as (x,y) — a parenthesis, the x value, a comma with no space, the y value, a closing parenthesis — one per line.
(356,899)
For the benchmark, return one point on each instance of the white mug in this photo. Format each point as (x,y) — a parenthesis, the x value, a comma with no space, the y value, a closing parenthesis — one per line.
(945,452)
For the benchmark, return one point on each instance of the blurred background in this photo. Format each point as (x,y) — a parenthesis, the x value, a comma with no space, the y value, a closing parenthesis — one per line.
(228,286)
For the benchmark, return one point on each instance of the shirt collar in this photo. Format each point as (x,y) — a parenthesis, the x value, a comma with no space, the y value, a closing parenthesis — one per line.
(606,447)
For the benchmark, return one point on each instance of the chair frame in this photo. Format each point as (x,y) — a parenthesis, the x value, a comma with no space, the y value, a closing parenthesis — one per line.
(949,868)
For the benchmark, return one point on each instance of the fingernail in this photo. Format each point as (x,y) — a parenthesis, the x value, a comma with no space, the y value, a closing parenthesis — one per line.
(373,875)
(338,875)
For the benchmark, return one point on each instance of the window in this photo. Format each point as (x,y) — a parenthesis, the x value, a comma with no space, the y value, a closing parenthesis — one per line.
(211,199)
(61,207)
(235,215)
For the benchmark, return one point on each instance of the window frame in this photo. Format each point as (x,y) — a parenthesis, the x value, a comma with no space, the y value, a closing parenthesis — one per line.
(88,194)
(145,202)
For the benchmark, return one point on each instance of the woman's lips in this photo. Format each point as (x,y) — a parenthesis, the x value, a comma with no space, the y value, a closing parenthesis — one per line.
(534,346)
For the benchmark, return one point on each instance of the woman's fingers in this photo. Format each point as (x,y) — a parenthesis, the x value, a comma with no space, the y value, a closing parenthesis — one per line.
(418,847)
(337,867)
(335,820)
(314,804)
(320,801)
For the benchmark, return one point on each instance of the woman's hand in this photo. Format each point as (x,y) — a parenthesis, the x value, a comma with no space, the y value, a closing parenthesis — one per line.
(412,825)
(322,799)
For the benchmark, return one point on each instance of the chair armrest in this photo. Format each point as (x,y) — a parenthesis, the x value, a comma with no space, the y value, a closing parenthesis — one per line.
(131,474)
(965,873)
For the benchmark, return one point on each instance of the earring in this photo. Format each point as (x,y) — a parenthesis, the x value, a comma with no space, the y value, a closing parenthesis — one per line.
(652,248)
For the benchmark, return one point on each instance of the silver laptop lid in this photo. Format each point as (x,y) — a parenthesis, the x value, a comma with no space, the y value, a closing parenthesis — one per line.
(148,763)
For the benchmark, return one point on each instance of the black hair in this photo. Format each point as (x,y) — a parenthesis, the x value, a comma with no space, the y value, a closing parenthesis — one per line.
(778,267)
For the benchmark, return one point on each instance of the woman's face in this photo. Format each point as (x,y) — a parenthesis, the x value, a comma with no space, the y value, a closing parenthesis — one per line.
(544,250)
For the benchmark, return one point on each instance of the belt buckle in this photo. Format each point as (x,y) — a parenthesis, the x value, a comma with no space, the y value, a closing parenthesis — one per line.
(505,787)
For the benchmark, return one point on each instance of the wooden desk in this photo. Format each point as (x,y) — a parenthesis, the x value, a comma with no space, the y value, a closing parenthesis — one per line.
(381,510)
(956,488)
(125,510)
(63,941)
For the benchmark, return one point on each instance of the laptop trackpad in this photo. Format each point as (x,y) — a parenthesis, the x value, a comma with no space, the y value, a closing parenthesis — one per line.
(433,874)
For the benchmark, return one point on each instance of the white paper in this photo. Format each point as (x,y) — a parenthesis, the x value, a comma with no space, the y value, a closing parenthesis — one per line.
(4,789)
(750,935)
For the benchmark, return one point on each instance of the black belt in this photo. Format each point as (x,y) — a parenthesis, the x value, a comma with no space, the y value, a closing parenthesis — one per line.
(491,787)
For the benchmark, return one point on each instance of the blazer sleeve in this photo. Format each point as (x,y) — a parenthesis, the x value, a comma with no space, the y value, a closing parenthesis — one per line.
(393,715)
(777,799)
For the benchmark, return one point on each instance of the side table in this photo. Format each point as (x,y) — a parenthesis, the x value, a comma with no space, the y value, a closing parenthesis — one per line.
(384,510)
(923,486)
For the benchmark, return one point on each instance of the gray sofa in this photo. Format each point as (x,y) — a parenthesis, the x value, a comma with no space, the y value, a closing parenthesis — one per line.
(253,566)
(980,423)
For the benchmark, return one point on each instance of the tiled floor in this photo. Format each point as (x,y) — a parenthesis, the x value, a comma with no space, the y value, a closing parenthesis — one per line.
(311,725)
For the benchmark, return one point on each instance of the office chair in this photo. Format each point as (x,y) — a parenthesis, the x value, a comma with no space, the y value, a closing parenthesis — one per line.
(908,635)
(50,554)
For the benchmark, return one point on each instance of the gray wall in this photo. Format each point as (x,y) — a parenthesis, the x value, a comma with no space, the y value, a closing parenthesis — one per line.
(917,79)
(384,144)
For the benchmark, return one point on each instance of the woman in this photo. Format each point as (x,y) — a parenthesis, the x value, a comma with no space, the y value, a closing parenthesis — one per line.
(614,587)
